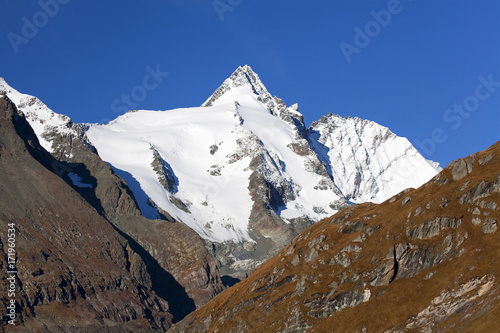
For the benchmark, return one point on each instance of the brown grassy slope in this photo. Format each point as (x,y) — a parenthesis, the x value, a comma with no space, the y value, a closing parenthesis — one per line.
(412,263)
(75,271)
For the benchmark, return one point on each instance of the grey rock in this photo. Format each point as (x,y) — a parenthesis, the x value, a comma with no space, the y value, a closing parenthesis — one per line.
(459,169)
(490,226)
(311,255)
(442,181)
(405,201)
(476,221)
(486,159)
(213,149)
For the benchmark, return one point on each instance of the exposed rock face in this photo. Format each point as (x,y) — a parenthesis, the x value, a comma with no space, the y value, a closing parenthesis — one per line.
(166,175)
(75,272)
(424,260)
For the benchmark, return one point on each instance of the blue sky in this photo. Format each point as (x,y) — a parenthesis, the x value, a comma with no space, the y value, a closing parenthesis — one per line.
(411,70)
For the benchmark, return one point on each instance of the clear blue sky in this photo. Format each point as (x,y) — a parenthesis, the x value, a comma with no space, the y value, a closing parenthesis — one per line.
(86,54)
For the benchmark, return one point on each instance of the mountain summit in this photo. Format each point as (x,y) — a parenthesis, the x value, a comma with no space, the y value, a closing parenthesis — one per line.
(243,81)
(247,176)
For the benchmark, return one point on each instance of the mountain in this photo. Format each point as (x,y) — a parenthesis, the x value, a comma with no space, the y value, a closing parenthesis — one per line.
(425,260)
(242,170)
(367,161)
(74,269)
(182,270)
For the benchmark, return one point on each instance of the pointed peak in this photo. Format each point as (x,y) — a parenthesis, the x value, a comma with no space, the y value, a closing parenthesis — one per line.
(245,77)
(245,71)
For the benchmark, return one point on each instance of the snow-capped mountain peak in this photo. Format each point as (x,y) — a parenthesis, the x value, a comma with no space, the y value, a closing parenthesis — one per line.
(242,168)
(45,122)
(243,81)
(367,161)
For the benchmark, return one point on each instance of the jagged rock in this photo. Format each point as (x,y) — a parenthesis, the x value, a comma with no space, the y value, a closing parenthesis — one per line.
(166,175)
(405,201)
(213,149)
(311,255)
(449,303)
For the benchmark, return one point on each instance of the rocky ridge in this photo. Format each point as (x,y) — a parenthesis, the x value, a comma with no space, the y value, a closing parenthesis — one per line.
(367,162)
(424,260)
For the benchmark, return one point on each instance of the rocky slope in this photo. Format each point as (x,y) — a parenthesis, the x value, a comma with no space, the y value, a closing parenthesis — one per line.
(75,272)
(424,260)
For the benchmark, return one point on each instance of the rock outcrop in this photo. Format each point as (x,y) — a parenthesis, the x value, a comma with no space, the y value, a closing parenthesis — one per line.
(424,260)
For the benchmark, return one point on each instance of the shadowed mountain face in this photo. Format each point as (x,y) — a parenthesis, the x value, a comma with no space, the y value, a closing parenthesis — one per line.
(75,271)
(425,260)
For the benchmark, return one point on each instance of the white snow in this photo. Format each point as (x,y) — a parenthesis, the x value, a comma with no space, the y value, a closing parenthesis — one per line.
(219,205)
(368,162)
(40,117)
